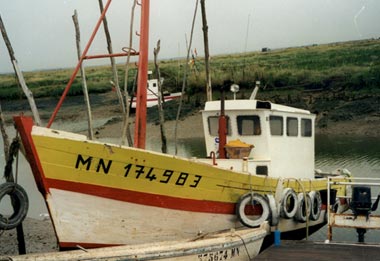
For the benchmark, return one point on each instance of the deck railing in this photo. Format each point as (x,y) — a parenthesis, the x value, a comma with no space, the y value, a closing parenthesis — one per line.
(361,222)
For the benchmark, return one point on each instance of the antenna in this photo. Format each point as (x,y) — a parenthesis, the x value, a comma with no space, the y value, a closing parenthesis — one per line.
(254,93)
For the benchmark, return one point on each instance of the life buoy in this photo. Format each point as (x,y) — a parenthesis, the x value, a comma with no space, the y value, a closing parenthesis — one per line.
(316,205)
(289,203)
(253,200)
(274,216)
(21,205)
(302,212)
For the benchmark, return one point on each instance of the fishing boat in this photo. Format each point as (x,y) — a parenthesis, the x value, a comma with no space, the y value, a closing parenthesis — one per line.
(153,93)
(259,168)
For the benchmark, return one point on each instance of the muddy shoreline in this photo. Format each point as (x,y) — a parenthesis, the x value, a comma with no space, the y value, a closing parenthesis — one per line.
(39,238)
(105,106)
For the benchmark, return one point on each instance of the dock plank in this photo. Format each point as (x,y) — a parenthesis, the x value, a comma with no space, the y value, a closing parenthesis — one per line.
(313,251)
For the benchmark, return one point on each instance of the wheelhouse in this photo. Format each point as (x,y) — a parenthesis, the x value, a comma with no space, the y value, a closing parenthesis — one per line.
(282,136)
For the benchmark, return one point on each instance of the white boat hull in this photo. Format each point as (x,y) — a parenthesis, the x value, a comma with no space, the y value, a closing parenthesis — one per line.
(93,220)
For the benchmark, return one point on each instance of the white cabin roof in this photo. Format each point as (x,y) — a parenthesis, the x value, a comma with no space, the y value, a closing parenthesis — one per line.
(241,105)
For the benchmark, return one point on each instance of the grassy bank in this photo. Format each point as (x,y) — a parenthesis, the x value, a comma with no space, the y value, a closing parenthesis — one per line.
(338,81)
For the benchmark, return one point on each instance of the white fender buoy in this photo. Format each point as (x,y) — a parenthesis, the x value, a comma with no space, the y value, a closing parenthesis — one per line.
(274,216)
(302,212)
(316,205)
(253,200)
(289,203)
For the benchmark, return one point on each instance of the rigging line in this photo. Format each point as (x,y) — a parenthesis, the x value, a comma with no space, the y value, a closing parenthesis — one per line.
(184,78)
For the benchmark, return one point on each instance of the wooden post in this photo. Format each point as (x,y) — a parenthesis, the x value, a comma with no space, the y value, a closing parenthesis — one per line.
(160,100)
(207,53)
(110,51)
(10,178)
(83,75)
(20,76)
(128,99)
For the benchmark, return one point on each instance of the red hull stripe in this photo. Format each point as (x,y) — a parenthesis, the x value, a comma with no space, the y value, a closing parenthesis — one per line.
(145,198)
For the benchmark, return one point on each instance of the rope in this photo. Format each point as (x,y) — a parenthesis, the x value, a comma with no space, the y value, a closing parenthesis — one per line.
(306,204)
(13,152)
(245,246)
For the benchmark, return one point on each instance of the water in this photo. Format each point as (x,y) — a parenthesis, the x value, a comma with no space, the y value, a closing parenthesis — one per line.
(360,155)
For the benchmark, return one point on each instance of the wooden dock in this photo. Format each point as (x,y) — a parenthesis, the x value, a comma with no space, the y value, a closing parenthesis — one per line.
(313,251)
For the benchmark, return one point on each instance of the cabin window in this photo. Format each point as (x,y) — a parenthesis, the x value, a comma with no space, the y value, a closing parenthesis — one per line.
(306,128)
(292,126)
(213,125)
(154,84)
(276,125)
(262,170)
(249,125)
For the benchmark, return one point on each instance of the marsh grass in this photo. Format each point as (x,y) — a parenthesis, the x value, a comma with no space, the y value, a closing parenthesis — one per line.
(349,66)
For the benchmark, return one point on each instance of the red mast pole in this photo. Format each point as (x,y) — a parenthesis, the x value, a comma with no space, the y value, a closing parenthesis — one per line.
(140,124)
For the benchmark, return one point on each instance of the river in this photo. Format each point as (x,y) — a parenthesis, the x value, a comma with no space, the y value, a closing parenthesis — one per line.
(360,155)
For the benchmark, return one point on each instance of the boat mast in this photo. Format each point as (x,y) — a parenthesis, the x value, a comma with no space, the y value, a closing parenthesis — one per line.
(207,53)
(140,123)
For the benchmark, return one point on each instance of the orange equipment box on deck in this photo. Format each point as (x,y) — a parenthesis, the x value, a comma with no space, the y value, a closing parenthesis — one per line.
(236,149)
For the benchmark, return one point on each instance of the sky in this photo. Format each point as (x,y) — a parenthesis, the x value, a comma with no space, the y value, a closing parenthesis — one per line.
(43,37)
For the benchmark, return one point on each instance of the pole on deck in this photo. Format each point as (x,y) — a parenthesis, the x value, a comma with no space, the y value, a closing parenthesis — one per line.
(140,123)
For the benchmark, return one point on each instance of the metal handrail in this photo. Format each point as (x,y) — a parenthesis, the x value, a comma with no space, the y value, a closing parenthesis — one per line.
(352,182)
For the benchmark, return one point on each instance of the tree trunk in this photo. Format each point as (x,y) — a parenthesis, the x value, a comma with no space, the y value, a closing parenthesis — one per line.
(83,75)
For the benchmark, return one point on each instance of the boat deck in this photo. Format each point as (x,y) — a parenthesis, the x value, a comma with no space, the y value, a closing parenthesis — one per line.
(313,251)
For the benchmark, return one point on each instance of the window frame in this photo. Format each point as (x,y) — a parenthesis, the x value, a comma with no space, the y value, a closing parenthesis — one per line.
(270,125)
(256,122)
(307,133)
(288,131)
(217,131)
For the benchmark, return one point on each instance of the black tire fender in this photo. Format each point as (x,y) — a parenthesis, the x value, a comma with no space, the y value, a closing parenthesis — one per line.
(21,205)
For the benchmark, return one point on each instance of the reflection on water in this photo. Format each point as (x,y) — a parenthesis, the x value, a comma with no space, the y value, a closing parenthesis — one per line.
(360,155)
